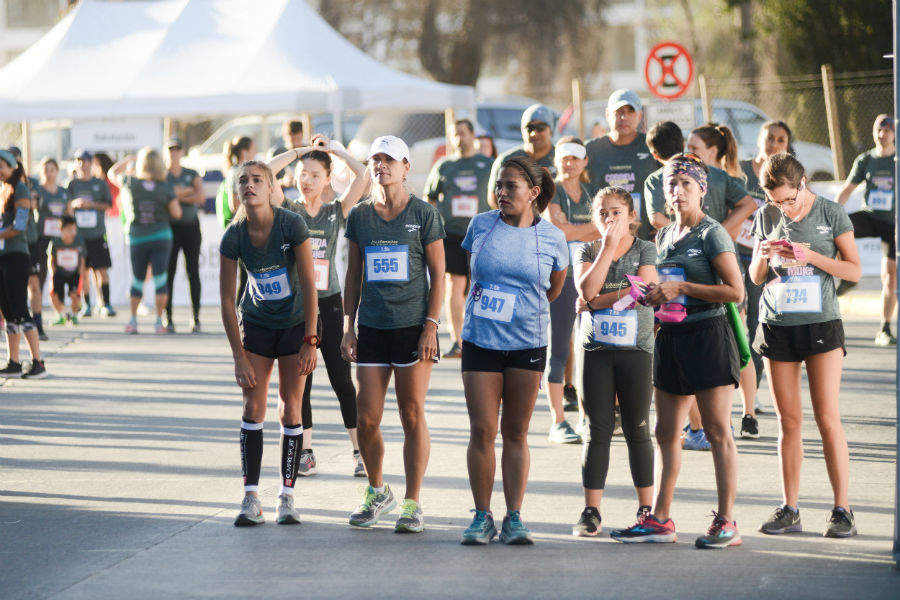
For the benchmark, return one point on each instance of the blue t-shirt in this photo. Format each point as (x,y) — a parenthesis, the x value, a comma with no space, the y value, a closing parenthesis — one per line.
(507,307)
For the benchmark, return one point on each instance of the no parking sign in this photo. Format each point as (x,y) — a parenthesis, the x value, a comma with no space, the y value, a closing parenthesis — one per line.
(668,70)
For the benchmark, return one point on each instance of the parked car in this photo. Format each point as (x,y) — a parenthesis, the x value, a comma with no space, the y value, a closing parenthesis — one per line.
(744,120)
(424,133)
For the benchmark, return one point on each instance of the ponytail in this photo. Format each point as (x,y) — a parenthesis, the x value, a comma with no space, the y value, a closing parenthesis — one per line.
(722,139)
(535,175)
(233,149)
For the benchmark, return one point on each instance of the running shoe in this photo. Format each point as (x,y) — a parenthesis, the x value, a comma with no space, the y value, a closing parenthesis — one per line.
(195,326)
(884,338)
(455,351)
(513,532)
(11,370)
(37,370)
(841,523)
(108,311)
(131,327)
(159,327)
(588,524)
(61,320)
(374,505)
(251,513)
(359,469)
(42,335)
(307,464)
(481,530)
(570,395)
(721,534)
(562,433)
(170,327)
(750,427)
(695,440)
(410,520)
(646,529)
(86,311)
(782,520)
(287,514)
(73,319)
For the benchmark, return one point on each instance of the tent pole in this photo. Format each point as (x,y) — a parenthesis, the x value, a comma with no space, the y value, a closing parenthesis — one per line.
(167,129)
(896,549)
(26,146)
(307,128)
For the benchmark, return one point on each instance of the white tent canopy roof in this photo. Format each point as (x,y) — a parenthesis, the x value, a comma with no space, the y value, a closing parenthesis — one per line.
(184,58)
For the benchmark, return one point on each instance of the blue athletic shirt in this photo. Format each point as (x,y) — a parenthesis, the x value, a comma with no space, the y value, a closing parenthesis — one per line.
(507,307)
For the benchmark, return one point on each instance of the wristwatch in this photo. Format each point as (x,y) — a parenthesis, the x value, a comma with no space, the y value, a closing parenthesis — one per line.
(312,340)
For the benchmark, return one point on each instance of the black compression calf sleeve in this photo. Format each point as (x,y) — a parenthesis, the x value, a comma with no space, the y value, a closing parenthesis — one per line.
(104,289)
(291,438)
(251,454)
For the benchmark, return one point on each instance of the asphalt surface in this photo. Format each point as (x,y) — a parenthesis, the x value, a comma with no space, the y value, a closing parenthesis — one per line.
(120,478)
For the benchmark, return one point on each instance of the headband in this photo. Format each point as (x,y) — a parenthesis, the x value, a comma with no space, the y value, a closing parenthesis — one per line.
(571,149)
(9,158)
(686,165)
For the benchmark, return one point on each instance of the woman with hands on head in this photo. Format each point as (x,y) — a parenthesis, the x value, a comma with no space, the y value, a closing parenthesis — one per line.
(277,321)
(618,357)
(696,355)
(798,237)
(312,177)
(394,239)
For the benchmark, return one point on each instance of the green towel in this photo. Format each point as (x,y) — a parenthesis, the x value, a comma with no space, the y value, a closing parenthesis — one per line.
(740,336)
(223,206)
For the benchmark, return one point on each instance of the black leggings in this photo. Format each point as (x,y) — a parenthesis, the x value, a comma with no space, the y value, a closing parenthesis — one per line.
(627,374)
(185,238)
(15,269)
(331,331)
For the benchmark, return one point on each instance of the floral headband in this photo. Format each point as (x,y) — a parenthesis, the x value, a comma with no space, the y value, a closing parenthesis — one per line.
(690,165)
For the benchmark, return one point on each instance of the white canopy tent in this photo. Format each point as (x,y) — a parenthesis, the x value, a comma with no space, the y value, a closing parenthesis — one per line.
(185,58)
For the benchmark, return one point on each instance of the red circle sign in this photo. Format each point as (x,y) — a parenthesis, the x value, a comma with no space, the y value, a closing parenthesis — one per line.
(668,70)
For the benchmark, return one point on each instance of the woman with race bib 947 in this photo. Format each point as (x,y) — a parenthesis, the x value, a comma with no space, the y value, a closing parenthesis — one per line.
(518,264)
(798,236)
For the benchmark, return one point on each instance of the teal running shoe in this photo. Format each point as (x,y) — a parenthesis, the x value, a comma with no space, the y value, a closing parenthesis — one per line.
(513,531)
(481,531)
(374,505)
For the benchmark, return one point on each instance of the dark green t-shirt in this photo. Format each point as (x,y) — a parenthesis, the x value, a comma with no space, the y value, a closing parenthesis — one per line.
(67,257)
(723,192)
(51,207)
(188,209)
(577,213)
(323,236)
(31,231)
(545,161)
(273,298)
(394,284)
(690,259)
(801,294)
(18,243)
(458,187)
(611,330)
(623,166)
(91,222)
(745,241)
(878,173)
(145,206)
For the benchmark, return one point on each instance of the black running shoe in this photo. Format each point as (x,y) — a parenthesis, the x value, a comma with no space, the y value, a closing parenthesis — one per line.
(750,427)
(12,369)
(845,286)
(841,524)
(37,370)
(570,397)
(588,524)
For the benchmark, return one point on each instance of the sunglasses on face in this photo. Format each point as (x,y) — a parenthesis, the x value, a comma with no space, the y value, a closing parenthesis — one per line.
(536,127)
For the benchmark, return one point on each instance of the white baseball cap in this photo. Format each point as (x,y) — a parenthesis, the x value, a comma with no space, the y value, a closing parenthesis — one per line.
(390,145)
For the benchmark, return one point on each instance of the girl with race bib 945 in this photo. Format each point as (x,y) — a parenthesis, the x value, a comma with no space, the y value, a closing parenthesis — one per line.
(394,240)
(618,352)
(798,236)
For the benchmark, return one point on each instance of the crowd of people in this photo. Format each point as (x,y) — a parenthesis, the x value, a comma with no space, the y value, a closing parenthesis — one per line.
(631,268)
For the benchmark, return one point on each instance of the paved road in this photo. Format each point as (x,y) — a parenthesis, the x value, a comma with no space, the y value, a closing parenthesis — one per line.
(119,478)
